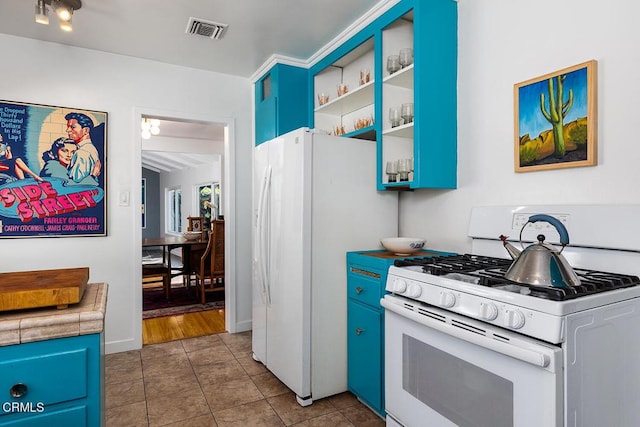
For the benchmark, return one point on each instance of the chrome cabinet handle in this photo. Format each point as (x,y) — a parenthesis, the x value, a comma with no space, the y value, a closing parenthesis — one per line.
(359,331)
(359,290)
(18,390)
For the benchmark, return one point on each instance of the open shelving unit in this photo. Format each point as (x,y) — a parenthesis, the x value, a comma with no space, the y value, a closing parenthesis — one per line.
(430,83)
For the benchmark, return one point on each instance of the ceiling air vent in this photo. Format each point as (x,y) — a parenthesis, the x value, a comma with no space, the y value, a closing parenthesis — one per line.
(201,27)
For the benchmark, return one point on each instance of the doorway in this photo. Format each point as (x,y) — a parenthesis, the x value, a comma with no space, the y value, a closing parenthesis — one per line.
(188,142)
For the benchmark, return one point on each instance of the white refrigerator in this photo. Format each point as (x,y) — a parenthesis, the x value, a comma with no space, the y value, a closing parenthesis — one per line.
(314,199)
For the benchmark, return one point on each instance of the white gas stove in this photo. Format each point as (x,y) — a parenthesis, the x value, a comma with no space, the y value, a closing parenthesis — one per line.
(474,286)
(461,312)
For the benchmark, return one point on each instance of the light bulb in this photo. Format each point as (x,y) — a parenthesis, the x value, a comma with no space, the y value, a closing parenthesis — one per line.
(42,13)
(155,126)
(66,26)
(63,11)
(145,134)
(145,125)
(42,19)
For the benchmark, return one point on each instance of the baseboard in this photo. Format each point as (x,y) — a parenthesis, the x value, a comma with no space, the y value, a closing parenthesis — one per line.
(121,346)
(243,326)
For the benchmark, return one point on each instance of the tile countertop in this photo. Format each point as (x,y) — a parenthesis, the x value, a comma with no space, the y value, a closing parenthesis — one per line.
(39,324)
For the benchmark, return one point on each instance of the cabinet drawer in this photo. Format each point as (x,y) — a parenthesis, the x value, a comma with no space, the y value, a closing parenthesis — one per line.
(50,377)
(75,416)
(365,286)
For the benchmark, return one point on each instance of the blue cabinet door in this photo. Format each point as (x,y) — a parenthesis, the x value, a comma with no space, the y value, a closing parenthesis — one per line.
(266,120)
(435,91)
(281,102)
(365,358)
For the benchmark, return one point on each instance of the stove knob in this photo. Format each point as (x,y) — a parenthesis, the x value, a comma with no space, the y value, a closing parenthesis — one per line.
(514,319)
(414,291)
(488,311)
(399,286)
(447,299)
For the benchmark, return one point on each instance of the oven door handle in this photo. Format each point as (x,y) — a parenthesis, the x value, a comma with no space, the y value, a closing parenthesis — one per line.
(533,357)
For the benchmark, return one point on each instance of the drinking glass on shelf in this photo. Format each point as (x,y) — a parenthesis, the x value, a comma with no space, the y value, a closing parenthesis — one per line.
(361,123)
(365,76)
(342,89)
(323,98)
(406,57)
(403,169)
(392,170)
(394,116)
(393,63)
(406,112)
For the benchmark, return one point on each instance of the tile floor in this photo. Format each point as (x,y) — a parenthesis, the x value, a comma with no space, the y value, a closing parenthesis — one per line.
(213,381)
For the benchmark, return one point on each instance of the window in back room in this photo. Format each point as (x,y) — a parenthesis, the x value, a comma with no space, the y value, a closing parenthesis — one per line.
(174,210)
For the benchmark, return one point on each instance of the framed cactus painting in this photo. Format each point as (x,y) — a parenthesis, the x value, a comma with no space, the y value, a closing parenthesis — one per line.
(555,120)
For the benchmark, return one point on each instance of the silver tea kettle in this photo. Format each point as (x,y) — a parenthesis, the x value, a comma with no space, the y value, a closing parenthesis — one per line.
(541,264)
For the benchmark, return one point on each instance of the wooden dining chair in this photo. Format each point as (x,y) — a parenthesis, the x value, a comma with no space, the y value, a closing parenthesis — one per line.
(191,262)
(210,276)
(158,271)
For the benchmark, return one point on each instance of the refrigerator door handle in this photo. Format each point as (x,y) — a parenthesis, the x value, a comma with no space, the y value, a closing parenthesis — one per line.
(266,236)
(261,231)
(258,237)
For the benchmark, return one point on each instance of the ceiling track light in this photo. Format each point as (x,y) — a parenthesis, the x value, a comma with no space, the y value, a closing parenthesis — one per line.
(63,8)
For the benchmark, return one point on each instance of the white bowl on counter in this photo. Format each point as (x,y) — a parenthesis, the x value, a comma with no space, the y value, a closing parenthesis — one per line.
(192,235)
(403,245)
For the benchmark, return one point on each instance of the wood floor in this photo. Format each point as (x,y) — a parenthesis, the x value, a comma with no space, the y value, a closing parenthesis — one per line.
(189,325)
(170,328)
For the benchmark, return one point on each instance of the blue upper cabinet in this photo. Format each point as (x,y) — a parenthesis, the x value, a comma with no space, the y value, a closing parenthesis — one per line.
(281,98)
(403,63)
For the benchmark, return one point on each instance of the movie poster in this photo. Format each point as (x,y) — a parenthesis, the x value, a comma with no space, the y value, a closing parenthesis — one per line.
(53,171)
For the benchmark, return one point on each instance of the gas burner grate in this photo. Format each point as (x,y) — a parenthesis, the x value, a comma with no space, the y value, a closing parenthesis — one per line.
(490,271)
(445,264)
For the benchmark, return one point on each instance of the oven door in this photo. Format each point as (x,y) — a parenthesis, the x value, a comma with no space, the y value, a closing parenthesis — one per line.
(443,369)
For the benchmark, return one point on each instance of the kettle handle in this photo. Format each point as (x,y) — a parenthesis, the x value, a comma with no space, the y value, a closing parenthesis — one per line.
(562,230)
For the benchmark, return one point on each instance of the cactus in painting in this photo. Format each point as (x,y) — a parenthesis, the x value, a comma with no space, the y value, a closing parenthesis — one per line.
(558,110)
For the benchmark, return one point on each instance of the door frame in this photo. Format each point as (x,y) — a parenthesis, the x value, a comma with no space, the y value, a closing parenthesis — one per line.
(227,185)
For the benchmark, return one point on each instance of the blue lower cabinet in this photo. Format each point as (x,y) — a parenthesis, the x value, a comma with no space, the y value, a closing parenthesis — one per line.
(74,416)
(366,280)
(365,376)
(57,382)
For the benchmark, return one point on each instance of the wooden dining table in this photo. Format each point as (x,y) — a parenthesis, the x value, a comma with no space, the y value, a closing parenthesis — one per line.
(172,242)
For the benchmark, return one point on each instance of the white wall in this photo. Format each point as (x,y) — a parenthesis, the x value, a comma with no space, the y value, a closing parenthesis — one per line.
(47,73)
(503,42)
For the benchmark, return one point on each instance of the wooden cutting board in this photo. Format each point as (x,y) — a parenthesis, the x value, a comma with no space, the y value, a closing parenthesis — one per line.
(42,288)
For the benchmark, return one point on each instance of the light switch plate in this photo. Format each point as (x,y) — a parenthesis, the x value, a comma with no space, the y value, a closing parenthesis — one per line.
(123,198)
